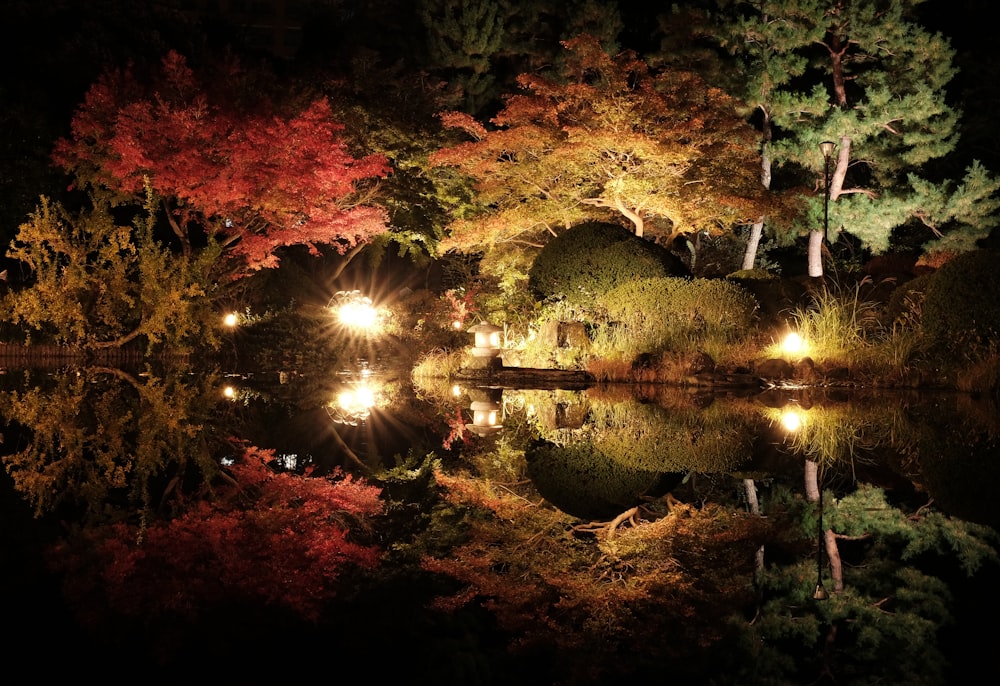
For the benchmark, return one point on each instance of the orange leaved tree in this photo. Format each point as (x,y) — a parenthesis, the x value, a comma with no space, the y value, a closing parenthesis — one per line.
(607,138)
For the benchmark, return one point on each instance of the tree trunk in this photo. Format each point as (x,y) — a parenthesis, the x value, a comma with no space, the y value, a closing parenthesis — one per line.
(816,253)
(757,230)
(750,254)
(833,553)
(829,538)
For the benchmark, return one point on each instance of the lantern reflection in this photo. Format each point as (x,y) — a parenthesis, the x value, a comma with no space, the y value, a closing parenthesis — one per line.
(487,411)
(354,403)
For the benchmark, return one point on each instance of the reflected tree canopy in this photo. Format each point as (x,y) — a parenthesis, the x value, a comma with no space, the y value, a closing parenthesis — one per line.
(600,534)
(104,439)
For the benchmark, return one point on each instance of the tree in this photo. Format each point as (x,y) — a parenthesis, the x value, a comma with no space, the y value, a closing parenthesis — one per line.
(99,283)
(871,80)
(691,38)
(606,138)
(242,174)
(479,46)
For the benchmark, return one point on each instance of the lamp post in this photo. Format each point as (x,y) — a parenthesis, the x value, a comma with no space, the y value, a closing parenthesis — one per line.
(826,147)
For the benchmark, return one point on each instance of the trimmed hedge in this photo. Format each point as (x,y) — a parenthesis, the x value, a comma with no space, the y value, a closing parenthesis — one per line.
(592,258)
(962,299)
(657,314)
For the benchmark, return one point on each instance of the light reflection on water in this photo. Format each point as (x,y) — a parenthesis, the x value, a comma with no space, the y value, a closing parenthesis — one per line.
(591,453)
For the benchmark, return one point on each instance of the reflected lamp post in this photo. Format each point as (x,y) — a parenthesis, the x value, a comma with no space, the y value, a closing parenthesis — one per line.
(826,147)
(820,592)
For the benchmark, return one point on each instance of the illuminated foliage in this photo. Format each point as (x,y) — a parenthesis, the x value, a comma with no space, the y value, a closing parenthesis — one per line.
(592,258)
(870,78)
(103,442)
(595,610)
(98,283)
(670,313)
(252,179)
(607,138)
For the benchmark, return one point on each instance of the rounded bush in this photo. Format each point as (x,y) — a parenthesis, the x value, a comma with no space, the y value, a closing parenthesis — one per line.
(961,299)
(657,314)
(592,258)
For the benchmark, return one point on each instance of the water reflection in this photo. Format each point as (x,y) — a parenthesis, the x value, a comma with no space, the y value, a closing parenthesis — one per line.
(610,528)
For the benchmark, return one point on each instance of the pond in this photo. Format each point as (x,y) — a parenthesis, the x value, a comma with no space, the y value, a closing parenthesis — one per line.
(548,535)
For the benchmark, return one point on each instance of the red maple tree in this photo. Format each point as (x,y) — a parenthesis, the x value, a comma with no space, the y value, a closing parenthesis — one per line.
(246,176)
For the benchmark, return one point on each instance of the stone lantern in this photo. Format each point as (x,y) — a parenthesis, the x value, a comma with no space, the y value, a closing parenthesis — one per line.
(486,411)
(486,349)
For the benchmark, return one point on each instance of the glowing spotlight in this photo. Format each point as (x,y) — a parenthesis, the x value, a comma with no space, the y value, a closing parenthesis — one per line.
(792,419)
(229,392)
(358,314)
(793,344)
(231,320)
(355,310)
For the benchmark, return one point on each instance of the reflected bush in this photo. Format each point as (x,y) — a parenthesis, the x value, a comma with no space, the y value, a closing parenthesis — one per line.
(583,481)
(651,437)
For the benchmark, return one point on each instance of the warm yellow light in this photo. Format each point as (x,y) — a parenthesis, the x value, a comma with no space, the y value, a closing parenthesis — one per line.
(358,314)
(356,400)
(485,417)
(457,325)
(793,344)
(231,319)
(456,391)
(791,419)
(229,392)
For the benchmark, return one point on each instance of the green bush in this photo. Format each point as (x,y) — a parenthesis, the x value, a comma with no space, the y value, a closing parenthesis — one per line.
(591,259)
(649,315)
(776,296)
(961,299)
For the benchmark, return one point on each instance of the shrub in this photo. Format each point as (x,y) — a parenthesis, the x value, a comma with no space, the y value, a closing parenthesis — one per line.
(671,313)
(961,299)
(776,296)
(592,258)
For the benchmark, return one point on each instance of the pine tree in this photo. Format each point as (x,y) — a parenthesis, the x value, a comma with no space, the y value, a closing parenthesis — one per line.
(870,79)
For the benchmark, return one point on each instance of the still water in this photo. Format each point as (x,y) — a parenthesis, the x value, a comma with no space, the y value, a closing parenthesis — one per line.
(790,535)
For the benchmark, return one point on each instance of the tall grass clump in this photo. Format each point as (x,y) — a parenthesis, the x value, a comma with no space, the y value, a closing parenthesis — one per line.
(838,325)
(904,341)
(440,363)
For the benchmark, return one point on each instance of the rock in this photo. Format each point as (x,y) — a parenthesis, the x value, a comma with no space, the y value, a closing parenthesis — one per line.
(701,363)
(775,368)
